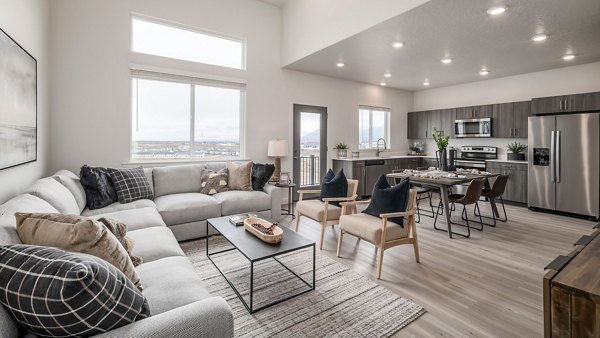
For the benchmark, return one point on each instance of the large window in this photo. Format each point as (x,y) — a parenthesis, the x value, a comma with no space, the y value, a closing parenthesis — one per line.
(373,124)
(185,119)
(165,39)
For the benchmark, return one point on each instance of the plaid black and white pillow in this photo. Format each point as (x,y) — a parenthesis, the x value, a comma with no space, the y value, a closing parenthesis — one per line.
(130,184)
(55,293)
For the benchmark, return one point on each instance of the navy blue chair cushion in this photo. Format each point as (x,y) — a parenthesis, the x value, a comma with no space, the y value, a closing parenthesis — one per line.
(334,185)
(386,199)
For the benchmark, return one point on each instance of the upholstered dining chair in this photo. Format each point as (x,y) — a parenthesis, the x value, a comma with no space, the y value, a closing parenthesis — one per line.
(378,230)
(323,211)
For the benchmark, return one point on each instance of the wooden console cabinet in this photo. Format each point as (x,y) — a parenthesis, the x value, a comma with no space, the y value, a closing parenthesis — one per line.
(572,291)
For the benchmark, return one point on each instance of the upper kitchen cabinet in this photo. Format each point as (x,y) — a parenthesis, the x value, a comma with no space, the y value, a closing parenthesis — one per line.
(416,125)
(510,119)
(474,112)
(442,120)
(566,103)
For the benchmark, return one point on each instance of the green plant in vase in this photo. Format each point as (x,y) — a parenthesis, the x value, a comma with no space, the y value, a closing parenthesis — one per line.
(442,143)
(342,149)
(516,150)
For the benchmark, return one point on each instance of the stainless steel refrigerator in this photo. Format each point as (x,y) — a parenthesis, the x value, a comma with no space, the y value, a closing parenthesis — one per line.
(564,163)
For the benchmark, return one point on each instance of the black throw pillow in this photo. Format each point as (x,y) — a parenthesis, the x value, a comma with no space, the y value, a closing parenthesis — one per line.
(53,292)
(261,174)
(386,199)
(334,185)
(131,184)
(99,189)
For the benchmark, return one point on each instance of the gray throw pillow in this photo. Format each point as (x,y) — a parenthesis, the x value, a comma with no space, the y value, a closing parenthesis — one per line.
(214,182)
(131,184)
(52,292)
(240,175)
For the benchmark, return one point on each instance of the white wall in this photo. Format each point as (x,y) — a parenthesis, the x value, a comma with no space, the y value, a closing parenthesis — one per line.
(311,25)
(91,82)
(26,21)
(567,80)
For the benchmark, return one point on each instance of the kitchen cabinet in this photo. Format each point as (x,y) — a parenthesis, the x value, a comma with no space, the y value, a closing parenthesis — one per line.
(474,112)
(566,103)
(510,119)
(422,125)
(442,120)
(412,126)
(516,186)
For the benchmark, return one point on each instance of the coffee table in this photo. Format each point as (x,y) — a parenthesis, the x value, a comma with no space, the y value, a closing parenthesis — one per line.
(256,250)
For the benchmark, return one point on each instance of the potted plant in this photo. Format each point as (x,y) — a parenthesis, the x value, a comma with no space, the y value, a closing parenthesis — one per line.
(516,151)
(342,149)
(442,144)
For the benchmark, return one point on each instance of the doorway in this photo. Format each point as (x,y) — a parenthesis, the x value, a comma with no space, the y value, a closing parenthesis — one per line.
(310,146)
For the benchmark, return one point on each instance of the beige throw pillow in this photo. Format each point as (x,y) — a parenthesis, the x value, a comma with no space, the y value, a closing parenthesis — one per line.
(214,182)
(119,229)
(76,234)
(240,175)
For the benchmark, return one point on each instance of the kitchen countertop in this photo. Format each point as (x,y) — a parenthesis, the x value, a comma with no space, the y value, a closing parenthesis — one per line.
(394,157)
(507,161)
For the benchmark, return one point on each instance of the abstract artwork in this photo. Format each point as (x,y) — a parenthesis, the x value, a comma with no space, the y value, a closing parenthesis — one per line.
(18,104)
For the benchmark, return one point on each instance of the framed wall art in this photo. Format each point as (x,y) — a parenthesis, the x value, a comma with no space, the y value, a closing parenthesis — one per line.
(18,104)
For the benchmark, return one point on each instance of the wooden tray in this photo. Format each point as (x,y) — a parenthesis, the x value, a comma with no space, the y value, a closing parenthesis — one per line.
(277,232)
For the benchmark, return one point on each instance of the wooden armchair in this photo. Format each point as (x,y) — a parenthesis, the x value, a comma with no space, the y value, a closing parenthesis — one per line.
(323,211)
(379,231)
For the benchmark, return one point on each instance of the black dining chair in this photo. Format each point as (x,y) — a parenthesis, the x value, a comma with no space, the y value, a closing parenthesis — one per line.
(471,197)
(423,193)
(493,194)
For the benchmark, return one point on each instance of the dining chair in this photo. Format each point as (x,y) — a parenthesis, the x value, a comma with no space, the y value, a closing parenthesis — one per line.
(492,195)
(470,197)
(324,211)
(379,231)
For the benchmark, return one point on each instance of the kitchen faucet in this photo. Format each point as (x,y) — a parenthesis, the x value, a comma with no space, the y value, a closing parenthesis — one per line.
(384,146)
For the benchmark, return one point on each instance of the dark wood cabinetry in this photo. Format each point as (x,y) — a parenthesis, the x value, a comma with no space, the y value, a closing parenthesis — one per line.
(510,119)
(572,291)
(474,112)
(516,186)
(566,103)
(442,120)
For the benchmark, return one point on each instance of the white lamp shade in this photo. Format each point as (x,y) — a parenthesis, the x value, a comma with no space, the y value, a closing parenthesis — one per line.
(278,148)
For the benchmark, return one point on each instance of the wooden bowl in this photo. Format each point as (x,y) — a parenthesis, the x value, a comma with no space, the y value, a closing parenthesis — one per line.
(277,232)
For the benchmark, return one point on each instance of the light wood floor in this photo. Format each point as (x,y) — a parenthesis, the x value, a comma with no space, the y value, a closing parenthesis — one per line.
(489,285)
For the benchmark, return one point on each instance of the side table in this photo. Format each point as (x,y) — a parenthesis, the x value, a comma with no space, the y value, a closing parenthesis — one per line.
(290,187)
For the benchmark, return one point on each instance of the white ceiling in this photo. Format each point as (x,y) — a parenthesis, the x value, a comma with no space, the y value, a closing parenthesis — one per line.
(463,31)
(278,3)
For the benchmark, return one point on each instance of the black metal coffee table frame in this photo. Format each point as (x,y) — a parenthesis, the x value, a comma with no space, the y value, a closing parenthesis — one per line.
(250,307)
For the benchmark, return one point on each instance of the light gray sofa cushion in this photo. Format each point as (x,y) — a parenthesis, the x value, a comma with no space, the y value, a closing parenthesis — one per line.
(235,201)
(51,191)
(187,207)
(176,179)
(215,166)
(150,176)
(71,182)
(8,326)
(119,207)
(170,283)
(20,203)
(135,219)
(154,243)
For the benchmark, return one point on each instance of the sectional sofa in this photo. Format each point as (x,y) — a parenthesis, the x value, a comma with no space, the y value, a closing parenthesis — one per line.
(179,302)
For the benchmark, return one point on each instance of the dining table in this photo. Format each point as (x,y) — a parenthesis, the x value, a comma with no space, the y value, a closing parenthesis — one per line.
(444,181)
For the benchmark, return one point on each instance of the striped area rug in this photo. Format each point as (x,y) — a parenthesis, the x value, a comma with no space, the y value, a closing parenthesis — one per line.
(344,303)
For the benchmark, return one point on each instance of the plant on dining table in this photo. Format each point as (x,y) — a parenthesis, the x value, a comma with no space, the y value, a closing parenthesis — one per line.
(440,139)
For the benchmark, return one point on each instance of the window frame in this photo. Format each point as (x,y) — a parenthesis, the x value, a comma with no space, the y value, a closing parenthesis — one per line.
(172,24)
(192,81)
(386,128)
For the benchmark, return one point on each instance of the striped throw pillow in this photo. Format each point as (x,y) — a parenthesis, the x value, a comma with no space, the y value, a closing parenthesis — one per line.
(55,293)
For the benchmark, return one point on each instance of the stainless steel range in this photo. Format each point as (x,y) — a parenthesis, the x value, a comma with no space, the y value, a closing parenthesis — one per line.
(474,157)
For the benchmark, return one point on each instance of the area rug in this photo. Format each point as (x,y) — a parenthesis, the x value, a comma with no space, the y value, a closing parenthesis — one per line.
(344,303)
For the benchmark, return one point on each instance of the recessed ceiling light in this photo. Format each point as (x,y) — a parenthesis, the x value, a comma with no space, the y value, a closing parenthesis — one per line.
(484,72)
(426,83)
(388,74)
(568,57)
(496,10)
(539,37)
(446,60)
(383,84)
(340,64)
(398,44)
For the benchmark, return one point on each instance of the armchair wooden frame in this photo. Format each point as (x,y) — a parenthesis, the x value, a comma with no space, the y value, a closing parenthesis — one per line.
(384,244)
(352,187)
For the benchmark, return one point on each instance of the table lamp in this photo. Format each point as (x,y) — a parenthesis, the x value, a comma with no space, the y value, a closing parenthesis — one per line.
(278,149)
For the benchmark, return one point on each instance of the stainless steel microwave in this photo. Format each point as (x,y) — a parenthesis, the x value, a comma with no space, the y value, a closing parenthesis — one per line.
(481,127)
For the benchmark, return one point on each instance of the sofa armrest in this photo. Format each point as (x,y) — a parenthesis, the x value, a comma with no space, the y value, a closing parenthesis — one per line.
(275,193)
(211,317)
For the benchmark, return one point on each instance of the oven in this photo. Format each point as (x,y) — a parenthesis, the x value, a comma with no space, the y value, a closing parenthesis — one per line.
(474,157)
(481,127)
